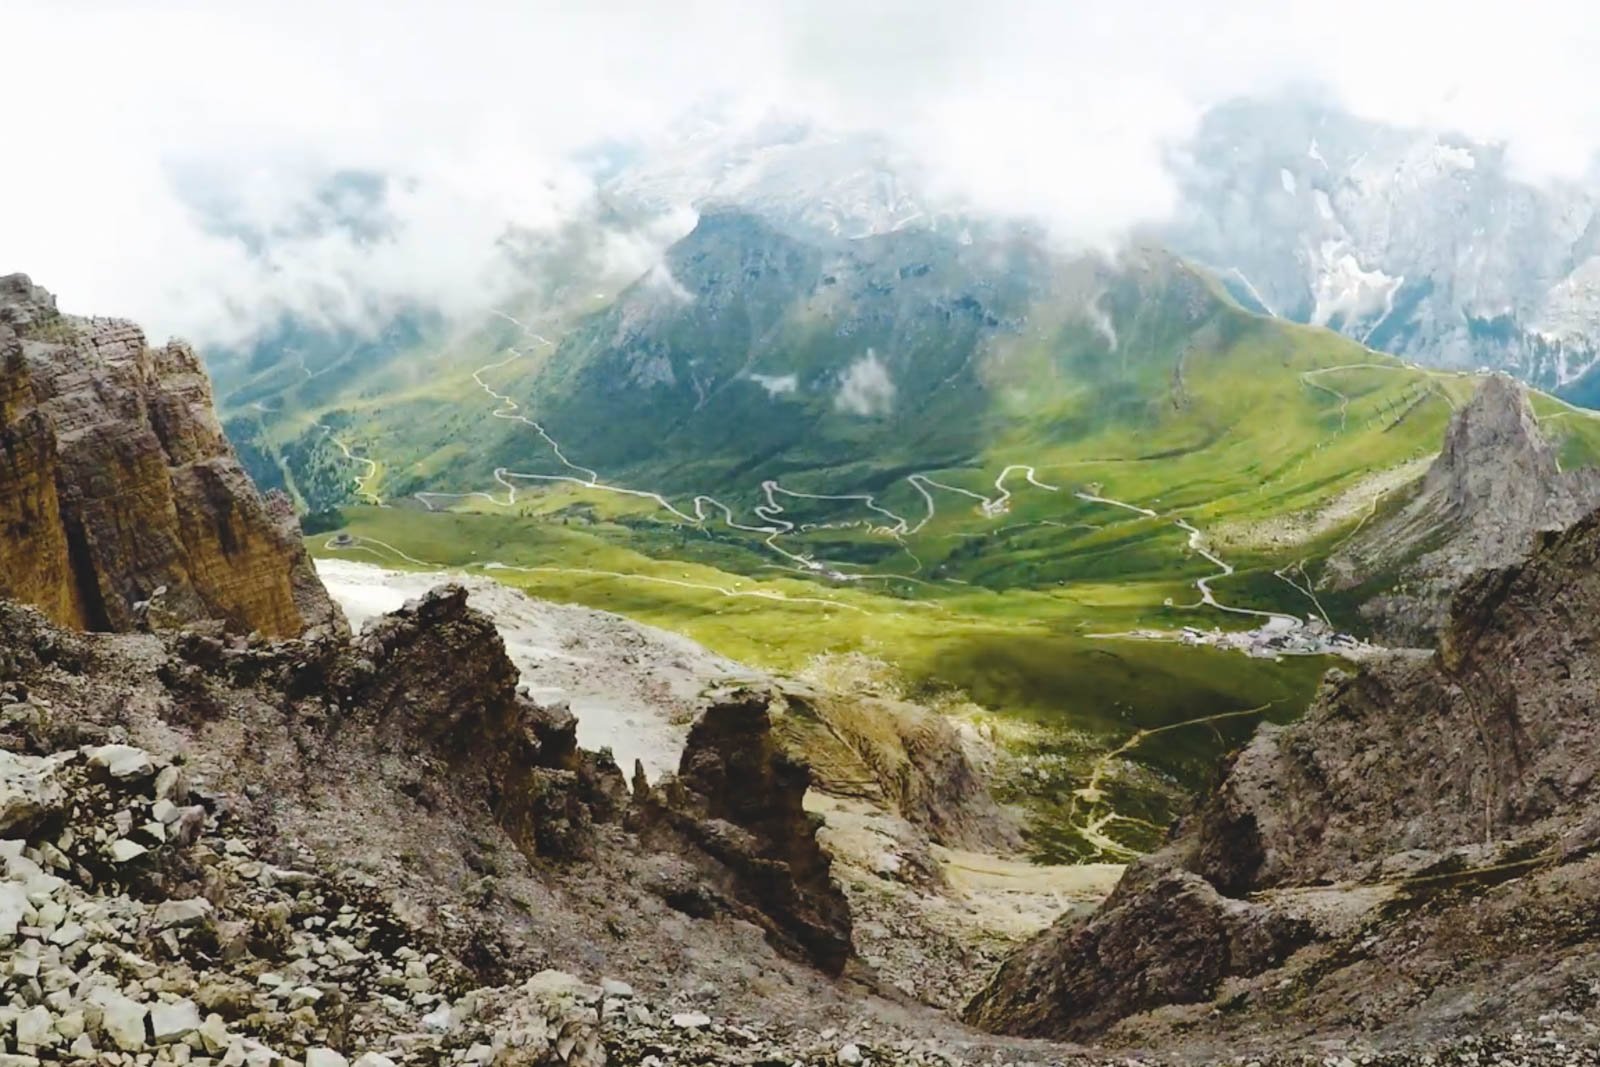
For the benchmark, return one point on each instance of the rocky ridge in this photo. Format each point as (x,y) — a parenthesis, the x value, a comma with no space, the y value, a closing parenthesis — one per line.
(322,850)
(121,502)
(1420,855)
(928,862)
(1494,486)
(164,898)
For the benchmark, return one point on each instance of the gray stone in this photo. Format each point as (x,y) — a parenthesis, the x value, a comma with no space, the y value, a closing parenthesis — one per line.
(181,913)
(122,1019)
(28,791)
(170,787)
(325,1057)
(34,1028)
(125,851)
(13,907)
(122,762)
(67,934)
(214,1034)
(172,1022)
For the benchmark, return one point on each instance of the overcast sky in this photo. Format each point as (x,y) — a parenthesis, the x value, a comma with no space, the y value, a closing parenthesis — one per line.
(132,127)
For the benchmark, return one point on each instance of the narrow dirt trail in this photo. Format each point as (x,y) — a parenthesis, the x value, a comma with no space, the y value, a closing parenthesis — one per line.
(1096,499)
(1092,828)
(363,481)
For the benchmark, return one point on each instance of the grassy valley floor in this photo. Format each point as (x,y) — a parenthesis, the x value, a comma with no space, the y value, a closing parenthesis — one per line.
(992,536)
(1023,664)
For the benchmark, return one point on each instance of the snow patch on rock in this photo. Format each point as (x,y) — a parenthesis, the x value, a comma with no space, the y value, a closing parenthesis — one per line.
(1347,290)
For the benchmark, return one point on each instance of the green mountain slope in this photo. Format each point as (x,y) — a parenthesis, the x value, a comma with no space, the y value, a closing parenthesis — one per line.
(961,454)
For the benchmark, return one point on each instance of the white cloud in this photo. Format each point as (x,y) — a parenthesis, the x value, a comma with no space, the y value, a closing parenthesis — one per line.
(865,388)
(777,384)
(127,116)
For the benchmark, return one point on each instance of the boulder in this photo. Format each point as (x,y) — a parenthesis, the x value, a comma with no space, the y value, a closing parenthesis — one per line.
(1172,941)
(28,792)
(181,913)
(122,1019)
(174,1021)
(122,762)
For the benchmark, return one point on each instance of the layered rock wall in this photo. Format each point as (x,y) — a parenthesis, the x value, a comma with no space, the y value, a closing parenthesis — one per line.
(121,502)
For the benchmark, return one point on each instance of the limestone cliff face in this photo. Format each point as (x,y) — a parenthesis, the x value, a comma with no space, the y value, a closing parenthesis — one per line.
(120,499)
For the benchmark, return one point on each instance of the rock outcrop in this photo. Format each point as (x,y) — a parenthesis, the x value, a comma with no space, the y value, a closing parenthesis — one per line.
(121,502)
(1496,483)
(441,684)
(738,799)
(1432,821)
(389,821)
(1171,941)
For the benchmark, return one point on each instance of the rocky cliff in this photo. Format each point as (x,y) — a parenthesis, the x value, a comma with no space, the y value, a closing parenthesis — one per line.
(738,800)
(377,845)
(121,502)
(1496,483)
(1420,853)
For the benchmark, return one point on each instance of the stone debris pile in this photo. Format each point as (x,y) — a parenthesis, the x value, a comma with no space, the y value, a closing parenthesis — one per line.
(141,923)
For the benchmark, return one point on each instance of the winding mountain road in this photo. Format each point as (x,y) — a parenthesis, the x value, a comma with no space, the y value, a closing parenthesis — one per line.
(362,482)
(1197,545)
(772,524)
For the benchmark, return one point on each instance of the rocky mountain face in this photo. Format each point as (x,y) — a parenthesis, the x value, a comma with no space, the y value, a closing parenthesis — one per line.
(1417,242)
(1495,485)
(375,848)
(122,503)
(231,836)
(1419,854)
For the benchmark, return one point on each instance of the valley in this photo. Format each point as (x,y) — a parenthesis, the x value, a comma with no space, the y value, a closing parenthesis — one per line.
(616,535)
(1065,580)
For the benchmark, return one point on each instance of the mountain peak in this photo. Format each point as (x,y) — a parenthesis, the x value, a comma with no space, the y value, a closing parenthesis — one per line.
(1494,455)
(1495,483)
(23,303)
(125,504)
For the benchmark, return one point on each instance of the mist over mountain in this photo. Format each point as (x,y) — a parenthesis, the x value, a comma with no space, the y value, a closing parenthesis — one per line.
(1416,241)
